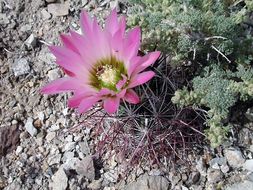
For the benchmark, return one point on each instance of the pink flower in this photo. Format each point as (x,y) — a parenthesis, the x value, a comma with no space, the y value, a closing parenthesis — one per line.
(102,65)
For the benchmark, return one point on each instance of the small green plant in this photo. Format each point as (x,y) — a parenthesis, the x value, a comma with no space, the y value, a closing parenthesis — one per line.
(218,90)
(195,30)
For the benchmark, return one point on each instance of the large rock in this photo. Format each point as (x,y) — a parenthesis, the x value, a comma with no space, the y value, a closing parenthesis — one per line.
(20,67)
(9,139)
(148,183)
(54,159)
(60,180)
(31,41)
(84,167)
(214,175)
(30,128)
(248,165)
(53,74)
(58,9)
(234,157)
(246,185)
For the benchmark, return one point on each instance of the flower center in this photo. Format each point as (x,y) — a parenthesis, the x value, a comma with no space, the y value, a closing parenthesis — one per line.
(106,73)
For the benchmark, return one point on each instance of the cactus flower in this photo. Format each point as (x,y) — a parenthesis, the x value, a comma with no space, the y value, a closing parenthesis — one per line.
(101,65)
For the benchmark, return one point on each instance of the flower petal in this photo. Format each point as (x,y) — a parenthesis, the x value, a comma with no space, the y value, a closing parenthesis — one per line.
(87,103)
(68,43)
(79,96)
(121,94)
(121,83)
(61,85)
(134,63)
(131,97)
(69,60)
(122,25)
(141,78)
(75,69)
(111,105)
(111,23)
(86,23)
(147,61)
(79,41)
(105,92)
(132,43)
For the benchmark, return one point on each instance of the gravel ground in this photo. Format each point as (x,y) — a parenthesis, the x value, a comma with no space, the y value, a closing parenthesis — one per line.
(39,149)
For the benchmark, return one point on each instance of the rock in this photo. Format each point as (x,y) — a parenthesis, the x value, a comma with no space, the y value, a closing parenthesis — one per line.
(69,138)
(195,176)
(19,150)
(153,172)
(224,168)
(46,57)
(41,116)
(248,165)
(50,136)
(78,138)
(60,180)
(37,123)
(26,28)
(39,141)
(54,159)
(214,176)
(84,167)
(251,148)
(84,2)
(111,176)
(201,167)
(9,139)
(174,179)
(245,185)
(30,128)
(2,182)
(69,146)
(250,176)
(65,111)
(95,184)
(4,19)
(149,182)
(68,156)
(51,1)
(217,161)
(234,157)
(16,184)
(20,67)
(58,9)
(38,181)
(54,128)
(53,74)
(115,5)
(31,41)
(45,15)
(249,114)
(84,147)
(245,136)
(184,188)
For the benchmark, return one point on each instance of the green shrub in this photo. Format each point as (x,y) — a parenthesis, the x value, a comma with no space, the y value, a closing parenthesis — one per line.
(194,30)
(218,90)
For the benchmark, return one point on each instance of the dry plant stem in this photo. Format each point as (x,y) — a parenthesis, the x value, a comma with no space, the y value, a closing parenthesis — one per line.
(220,53)
(192,128)
(215,37)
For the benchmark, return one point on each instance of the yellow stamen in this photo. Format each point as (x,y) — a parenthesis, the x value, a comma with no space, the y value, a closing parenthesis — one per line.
(108,75)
